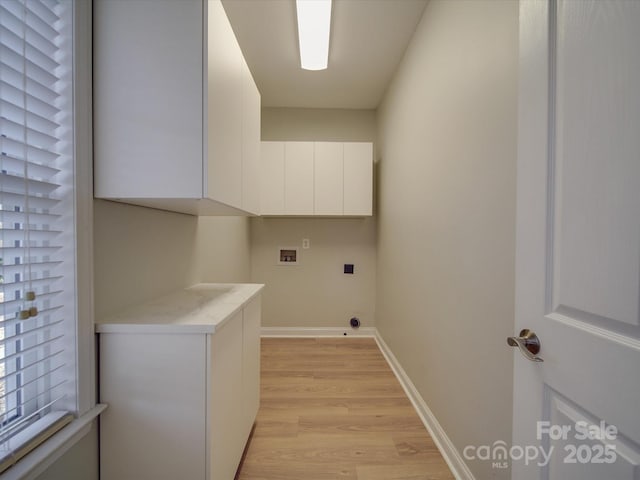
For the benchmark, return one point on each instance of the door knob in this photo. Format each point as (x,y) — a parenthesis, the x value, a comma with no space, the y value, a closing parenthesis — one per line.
(528,343)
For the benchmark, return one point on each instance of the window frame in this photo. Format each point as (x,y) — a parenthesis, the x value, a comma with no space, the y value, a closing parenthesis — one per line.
(43,456)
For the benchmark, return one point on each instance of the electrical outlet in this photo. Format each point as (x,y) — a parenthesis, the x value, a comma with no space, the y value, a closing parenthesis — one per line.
(305,243)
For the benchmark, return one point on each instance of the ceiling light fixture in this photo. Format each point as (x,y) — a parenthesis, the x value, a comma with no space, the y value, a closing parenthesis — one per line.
(314,26)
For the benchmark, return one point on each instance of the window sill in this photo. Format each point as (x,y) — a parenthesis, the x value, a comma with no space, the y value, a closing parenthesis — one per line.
(36,462)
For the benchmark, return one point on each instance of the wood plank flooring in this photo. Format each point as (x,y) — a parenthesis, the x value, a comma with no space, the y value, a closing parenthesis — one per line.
(331,408)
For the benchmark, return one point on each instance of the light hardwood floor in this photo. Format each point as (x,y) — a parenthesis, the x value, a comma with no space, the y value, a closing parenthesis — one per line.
(331,408)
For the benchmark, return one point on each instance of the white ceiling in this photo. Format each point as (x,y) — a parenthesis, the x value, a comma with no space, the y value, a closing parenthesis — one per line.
(368,39)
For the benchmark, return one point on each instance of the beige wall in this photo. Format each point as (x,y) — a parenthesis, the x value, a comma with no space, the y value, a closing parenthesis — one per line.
(446,241)
(141,253)
(319,124)
(80,462)
(316,293)
(223,250)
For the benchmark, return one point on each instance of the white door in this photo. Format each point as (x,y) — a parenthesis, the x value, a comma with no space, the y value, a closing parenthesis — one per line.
(578,241)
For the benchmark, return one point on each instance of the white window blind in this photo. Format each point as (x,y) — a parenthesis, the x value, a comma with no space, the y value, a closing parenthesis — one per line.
(36,220)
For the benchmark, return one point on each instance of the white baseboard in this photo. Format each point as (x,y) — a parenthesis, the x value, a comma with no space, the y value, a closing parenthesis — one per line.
(318,332)
(448,450)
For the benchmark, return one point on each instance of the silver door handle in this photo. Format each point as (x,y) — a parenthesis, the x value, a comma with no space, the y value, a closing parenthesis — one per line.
(528,343)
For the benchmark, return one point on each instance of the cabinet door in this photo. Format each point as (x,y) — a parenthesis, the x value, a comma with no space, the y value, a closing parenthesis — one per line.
(148,99)
(154,386)
(250,142)
(224,102)
(358,178)
(328,178)
(251,363)
(298,182)
(225,404)
(272,178)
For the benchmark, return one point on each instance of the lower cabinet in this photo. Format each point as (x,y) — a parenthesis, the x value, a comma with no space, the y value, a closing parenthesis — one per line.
(251,363)
(181,405)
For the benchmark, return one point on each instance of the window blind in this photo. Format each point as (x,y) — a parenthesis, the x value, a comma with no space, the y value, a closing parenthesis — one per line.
(36,175)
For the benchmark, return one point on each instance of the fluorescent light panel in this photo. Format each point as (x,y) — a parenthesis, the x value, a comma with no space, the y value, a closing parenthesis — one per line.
(314,27)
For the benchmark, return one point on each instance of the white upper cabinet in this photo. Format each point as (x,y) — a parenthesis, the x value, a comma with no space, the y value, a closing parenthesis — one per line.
(176,111)
(358,179)
(317,178)
(328,178)
(272,178)
(298,178)
(250,143)
(224,107)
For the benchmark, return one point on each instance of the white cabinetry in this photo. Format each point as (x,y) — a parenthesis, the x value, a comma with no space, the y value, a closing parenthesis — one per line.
(250,142)
(182,395)
(234,389)
(286,182)
(176,111)
(272,178)
(328,178)
(358,179)
(251,364)
(154,385)
(226,409)
(317,178)
(298,178)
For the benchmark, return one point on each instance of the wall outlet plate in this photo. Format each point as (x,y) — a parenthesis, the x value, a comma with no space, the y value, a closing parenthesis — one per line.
(306,243)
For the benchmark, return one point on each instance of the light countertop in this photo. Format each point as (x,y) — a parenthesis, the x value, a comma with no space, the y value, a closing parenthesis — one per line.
(202,308)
